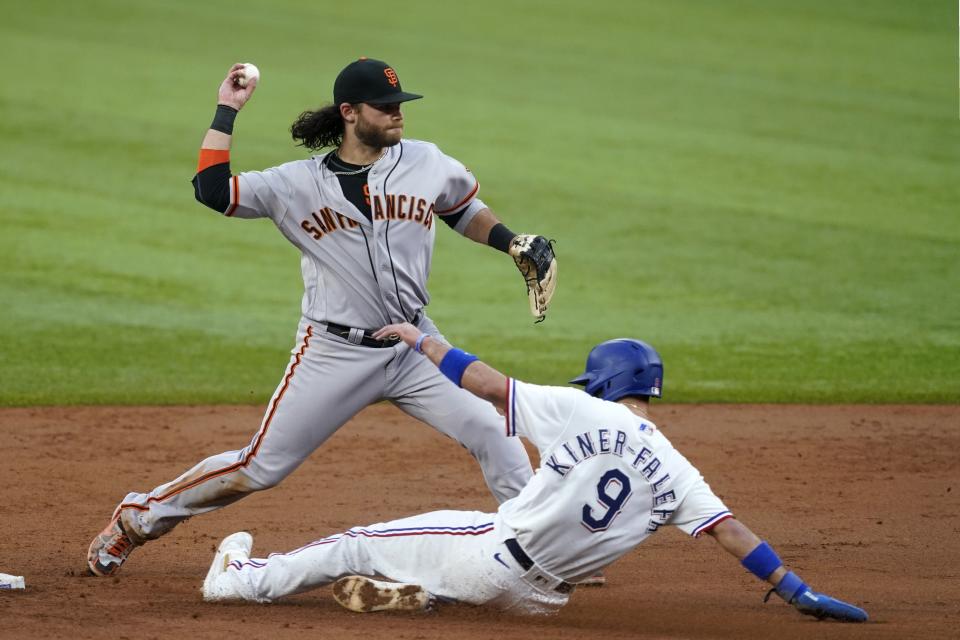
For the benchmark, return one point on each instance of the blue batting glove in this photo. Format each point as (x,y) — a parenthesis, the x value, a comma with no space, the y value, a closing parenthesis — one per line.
(795,591)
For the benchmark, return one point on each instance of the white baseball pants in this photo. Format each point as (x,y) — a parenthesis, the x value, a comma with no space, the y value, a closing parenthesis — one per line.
(455,555)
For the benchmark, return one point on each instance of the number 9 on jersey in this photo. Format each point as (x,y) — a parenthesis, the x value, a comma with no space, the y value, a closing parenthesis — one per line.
(613,490)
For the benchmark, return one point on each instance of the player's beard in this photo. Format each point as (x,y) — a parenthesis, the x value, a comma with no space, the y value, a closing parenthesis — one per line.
(376,138)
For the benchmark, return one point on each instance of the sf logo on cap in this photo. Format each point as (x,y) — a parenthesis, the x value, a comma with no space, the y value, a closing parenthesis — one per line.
(391,76)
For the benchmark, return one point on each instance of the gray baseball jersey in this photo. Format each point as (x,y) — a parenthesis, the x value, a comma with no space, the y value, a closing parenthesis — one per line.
(356,272)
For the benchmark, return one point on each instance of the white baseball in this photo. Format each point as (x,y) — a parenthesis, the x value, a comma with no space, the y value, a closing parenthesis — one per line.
(248,73)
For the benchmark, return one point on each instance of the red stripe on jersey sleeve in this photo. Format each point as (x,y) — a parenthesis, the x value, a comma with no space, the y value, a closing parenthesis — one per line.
(456,207)
(235,200)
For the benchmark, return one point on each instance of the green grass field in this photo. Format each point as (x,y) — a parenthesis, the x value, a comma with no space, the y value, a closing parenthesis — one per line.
(765,190)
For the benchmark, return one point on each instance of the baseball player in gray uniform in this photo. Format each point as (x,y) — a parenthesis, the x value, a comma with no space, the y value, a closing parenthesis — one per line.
(608,480)
(364,218)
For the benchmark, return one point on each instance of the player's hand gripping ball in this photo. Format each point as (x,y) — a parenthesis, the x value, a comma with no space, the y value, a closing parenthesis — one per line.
(249,74)
(538,265)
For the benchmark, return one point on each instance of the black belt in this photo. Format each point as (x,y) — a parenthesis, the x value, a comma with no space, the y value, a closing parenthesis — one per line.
(365,336)
(524,561)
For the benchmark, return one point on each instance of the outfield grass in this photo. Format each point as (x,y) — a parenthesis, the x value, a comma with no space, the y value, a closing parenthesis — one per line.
(767,191)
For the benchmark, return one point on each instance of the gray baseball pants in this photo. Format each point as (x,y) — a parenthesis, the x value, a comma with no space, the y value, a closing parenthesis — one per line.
(327,381)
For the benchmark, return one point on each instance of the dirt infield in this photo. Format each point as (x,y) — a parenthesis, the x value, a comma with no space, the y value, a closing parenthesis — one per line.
(864,502)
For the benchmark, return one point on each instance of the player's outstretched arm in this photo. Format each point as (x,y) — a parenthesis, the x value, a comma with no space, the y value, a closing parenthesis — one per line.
(462,368)
(761,560)
(211,184)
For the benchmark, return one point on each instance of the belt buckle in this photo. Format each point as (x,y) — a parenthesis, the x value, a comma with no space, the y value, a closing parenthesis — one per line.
(543,580)
(389,341)
(367,339)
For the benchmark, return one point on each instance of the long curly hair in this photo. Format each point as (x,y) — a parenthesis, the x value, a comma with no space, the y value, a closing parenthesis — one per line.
(318,129)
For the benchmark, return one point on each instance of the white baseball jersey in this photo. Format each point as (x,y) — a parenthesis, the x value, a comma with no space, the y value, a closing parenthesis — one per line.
(356,273)
(607,480)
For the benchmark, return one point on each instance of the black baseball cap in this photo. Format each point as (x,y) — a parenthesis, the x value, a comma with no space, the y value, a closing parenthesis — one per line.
(371,81)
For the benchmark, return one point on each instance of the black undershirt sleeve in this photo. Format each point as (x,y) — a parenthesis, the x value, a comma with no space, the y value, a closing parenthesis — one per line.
(454,218)
(212,186)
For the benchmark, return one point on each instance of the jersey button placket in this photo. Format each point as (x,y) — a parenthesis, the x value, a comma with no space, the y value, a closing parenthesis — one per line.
(380,247)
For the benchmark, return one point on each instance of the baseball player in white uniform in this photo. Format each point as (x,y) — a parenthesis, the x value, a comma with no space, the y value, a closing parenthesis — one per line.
(608,479)
(364,218)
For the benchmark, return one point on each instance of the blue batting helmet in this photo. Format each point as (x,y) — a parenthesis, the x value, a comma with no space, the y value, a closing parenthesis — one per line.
(622,367)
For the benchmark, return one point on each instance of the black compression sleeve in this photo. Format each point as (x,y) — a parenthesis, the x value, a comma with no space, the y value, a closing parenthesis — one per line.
(212,186)
(500,237)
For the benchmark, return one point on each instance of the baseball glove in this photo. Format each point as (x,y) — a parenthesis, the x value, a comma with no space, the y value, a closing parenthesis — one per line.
(538,265)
